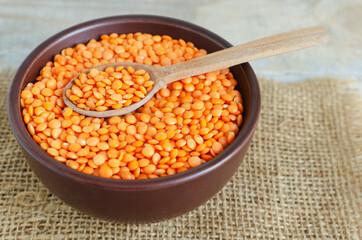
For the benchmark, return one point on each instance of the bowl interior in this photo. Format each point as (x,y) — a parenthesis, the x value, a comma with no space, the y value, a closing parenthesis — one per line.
(82,33)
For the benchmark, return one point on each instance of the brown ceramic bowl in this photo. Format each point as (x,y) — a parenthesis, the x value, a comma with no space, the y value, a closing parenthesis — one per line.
(133,200)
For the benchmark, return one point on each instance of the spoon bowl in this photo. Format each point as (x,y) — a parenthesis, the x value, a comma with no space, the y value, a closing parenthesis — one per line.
(156,75)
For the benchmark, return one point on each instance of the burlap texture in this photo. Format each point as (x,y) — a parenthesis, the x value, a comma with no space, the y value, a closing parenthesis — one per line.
(301,178)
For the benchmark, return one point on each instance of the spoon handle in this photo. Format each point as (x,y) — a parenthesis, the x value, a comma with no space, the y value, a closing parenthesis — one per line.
(261,48)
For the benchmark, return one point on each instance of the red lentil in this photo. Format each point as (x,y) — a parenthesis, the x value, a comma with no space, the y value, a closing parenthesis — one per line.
(184,125)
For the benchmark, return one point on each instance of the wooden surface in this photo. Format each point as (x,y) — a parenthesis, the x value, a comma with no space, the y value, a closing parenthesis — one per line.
(24,24)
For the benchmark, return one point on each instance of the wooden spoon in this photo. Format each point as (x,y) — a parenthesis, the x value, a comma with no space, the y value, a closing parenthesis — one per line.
(265,47)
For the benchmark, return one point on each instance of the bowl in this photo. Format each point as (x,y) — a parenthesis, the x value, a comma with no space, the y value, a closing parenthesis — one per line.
(133,201)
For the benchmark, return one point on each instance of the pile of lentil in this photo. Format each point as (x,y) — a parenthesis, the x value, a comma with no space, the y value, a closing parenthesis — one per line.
(184,125)
(109,89)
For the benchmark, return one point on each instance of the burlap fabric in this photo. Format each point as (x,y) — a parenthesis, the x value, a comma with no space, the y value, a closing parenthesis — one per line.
(301,178)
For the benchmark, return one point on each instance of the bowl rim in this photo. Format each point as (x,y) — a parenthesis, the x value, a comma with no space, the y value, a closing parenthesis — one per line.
(33,149)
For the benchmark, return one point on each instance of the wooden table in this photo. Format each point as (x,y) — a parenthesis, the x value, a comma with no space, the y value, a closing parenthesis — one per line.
(24,24)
